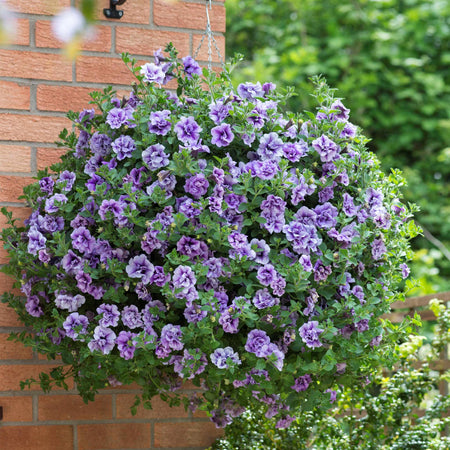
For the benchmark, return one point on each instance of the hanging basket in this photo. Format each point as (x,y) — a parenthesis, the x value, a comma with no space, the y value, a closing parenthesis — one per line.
(208,236)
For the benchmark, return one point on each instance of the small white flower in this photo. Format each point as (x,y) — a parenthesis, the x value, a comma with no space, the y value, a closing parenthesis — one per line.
(68,24)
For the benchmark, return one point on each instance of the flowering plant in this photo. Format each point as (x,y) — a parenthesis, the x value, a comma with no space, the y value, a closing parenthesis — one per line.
(207,236)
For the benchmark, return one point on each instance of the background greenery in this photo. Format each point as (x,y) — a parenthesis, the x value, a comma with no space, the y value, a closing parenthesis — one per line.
(390,61)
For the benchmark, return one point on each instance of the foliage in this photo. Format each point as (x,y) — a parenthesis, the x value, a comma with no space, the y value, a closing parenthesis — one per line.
(382,416)
(389,59)
(207,236)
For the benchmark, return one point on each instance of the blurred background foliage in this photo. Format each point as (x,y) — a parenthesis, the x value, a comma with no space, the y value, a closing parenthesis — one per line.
(390,61)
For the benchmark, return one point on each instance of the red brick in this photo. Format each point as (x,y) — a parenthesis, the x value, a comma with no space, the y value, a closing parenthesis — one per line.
(138,41)
(45,7)
(185,434)
(12,187)
(62,98)
(47,156)
(199,414)
(34,65)
(18,213)
(15,158)
(135,11)
(22,34)
(8,317)
(72,407)
(13,350)
(21,127)
(6,284)
(188,15)
(203,51)
(100,41)
(113,436)
(17,409)
(50,437)
(18,97)
(103,70)
(12,374)
(161,410)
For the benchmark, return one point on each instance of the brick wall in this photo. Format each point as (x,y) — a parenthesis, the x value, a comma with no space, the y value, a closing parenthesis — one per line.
(37,87)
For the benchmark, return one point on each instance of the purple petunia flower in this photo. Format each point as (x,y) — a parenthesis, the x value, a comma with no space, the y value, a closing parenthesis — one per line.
(110,315)
(100,144)
(310,332)
(153,73)
(266,274)
(349,131)
(191,67)
(278,285)
(75,325)
(171,337)
(219,111)
(69,302)
(343,114)
(263,299)
(326,215)
(306,263)
(273,208)
(116,118)
(140,267)
(378,249)
(36,241)
(321,272)
(131,317)
(270,147)
(222,136)
(159,123)
(159,277)
(293,151)
(348,206)
(82,240)
(358,292)
(123,146)
(188,131)
(302,383)
(220,356)
(126,345)
(111,206)
(304,238)
(103,340)
(50,206)
(50,224)
(250,91)
(229,324)
(183,278)
(301,190)
(405,270)
(326,148)
(33,306)
(258,342)
(362,325)
(267,169)
(46,184)
(196,185)
(66,180)
(84,280)
(155,157)
(333,395)
(72,263)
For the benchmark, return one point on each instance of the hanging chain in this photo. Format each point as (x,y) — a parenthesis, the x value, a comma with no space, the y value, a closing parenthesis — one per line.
(211,40)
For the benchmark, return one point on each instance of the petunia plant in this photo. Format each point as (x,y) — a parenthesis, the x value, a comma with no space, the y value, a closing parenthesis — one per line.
(205,235)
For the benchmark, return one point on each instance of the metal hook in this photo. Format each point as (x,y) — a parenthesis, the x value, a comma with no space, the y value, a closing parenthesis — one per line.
(112,12)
